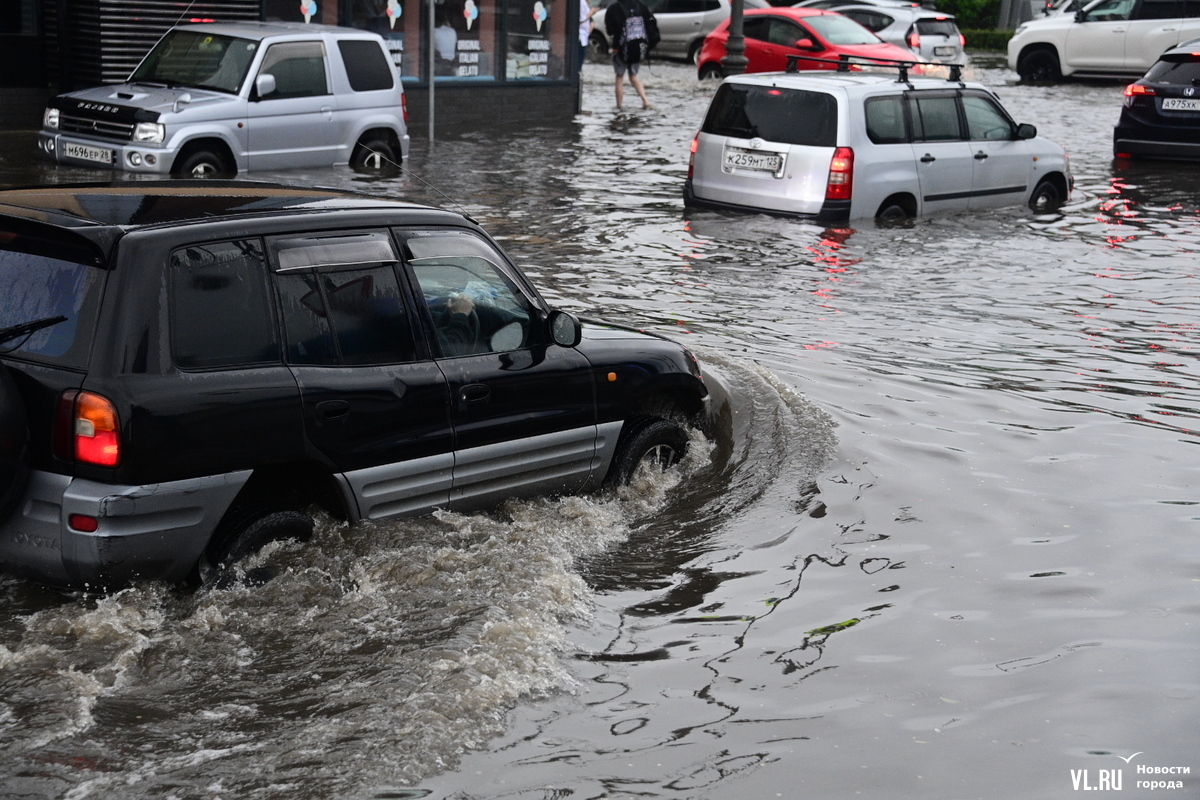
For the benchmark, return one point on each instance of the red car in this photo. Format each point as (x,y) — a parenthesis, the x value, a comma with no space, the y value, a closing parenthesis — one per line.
(772,34)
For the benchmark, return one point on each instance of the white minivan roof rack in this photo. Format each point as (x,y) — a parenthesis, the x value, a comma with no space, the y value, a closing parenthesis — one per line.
(845,60)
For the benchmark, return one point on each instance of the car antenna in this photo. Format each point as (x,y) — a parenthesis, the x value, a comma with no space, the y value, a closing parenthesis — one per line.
(185,13)
(448,198)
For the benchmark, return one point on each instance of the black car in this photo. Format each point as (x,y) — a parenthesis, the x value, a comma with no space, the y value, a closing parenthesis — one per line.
(197,364)
(1161,115)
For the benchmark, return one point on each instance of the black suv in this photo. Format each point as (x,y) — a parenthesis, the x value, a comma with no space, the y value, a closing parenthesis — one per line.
(1161,114)
(192,366)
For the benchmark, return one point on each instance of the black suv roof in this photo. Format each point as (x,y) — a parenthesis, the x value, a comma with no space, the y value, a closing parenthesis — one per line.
(102,212)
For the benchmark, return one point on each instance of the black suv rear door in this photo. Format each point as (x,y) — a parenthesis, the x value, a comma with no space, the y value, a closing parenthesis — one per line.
(375,405)
(523,408)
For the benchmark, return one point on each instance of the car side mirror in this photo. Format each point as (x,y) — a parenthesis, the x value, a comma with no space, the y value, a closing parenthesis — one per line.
(805,44)
(1081,16)
(1026,131)
(264,84)
(565,329)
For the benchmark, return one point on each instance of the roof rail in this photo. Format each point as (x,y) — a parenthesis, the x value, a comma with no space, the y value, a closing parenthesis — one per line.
(845,61)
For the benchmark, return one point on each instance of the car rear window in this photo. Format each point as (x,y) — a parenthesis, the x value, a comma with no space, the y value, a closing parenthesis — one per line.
(40,284)
(366,65)
(785,116)
(937,27)
(1184,72)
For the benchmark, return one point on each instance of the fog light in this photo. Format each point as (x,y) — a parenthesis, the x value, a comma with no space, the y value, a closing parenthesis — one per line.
(135,159)
(151,159)
(49,145)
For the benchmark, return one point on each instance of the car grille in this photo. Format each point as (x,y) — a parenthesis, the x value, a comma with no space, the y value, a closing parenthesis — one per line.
(107,129)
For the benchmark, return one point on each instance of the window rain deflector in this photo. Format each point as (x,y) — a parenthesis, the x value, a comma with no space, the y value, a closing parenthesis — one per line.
(333,251)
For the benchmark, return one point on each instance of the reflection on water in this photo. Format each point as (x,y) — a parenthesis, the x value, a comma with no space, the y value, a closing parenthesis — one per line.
(945,549)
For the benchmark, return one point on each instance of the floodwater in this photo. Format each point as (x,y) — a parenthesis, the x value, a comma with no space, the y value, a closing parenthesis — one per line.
(948,546)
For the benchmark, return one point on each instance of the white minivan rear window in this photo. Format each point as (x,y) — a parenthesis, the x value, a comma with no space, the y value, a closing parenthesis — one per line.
(784,116)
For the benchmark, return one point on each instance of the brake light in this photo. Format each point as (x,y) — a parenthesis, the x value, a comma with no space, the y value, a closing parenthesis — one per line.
(86,429)
(692,157)
(404,108)
(962,40)
(841,175)
(914,40)
(1137,89)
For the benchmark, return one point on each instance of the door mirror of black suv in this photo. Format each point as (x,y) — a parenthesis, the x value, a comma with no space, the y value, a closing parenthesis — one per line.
(1026,131)
(565,329)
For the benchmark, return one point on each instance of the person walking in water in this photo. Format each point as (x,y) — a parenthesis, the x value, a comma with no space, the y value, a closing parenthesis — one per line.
(628,24)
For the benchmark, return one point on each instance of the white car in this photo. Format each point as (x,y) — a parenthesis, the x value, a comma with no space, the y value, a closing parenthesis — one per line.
(930,34)
(1106,37)
(683,24)
(843,145)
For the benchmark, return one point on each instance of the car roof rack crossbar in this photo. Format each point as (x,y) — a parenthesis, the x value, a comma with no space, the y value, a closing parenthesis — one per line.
(844,61)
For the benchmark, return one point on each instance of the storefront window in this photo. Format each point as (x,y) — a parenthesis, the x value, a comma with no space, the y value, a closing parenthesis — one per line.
(399,23)
(18,17)
(537,39)
(464,39)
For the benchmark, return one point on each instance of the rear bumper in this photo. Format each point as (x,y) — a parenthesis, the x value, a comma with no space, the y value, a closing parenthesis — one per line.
(831,210)
(155,532)
(1156,149)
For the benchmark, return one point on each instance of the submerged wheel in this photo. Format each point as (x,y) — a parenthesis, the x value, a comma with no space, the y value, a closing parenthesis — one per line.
(1046,198)
(711,72)
(376,157)
(247,532)
(656,442)
(1039,65)
(14,445)
(202,164)
(597,47)
(892,212)
(693,55)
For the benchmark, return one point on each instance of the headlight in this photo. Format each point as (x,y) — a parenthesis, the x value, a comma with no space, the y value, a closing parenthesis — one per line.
(153,132)
(50,119)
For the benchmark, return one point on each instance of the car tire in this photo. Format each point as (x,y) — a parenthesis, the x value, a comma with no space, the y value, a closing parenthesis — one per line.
(654,441)
(247,532)
(202,163)
(14,445)
(597,47)
(710,72)
(892,212)
(693,54)
(1040,66)
(375,157)
(1046,197)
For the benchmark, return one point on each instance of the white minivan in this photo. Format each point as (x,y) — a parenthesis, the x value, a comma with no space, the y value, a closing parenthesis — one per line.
(842,145)
(216,99)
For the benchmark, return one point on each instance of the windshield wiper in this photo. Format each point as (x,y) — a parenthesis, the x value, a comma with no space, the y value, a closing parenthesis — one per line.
(27,328)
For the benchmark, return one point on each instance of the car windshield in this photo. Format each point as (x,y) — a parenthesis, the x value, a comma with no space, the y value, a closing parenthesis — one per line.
(841,30)
(1183,72)
(199,60)
(785,116)
(39,286)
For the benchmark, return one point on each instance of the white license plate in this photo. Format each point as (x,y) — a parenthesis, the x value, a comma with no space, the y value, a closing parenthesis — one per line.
(101,155)
(737,158)
(943,52)
(1180,104)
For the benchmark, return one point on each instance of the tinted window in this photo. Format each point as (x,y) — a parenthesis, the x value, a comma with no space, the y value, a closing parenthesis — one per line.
(885,120)
(299,69)
(784,33)
(220,309)
(1176,72)
(366,66)
(937,27)
(1159,9)
(935,119)
(837,29)
(786,116)
(38,285)
(985,120)
(685,7)
(755,28)
(1111,11)
(869,20)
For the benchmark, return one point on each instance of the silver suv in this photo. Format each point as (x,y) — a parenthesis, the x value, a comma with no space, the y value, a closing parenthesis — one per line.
(217,99)
(840,145)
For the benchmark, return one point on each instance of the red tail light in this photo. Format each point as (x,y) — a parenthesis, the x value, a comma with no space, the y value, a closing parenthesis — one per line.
(914,40)
(841,175)
(86,430)
(692,157)
(1137,89)
(962,40)
(404,108)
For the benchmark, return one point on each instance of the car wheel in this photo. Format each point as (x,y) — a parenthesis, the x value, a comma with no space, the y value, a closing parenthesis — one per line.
(202,164)
(14,445)
(597,47)
(653,443)
(693,56)
(1046,198)
(892,212)
(1039,65)
(247,532)
(711,72)
(374,157)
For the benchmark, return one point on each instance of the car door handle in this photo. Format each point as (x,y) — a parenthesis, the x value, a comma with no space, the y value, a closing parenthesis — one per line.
(927,159)
(980,156)
(328,410)
(474,392)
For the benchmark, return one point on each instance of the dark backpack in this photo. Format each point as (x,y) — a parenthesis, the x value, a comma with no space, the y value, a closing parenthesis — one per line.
(640,32)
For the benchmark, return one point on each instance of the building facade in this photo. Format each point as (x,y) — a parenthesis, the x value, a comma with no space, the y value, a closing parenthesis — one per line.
(499,61)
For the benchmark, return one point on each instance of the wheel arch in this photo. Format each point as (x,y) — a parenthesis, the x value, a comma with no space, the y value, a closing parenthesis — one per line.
(1045,47)
(210,142)
(906,200)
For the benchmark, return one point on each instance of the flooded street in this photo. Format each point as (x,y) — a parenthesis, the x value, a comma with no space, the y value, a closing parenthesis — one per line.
(948,548)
